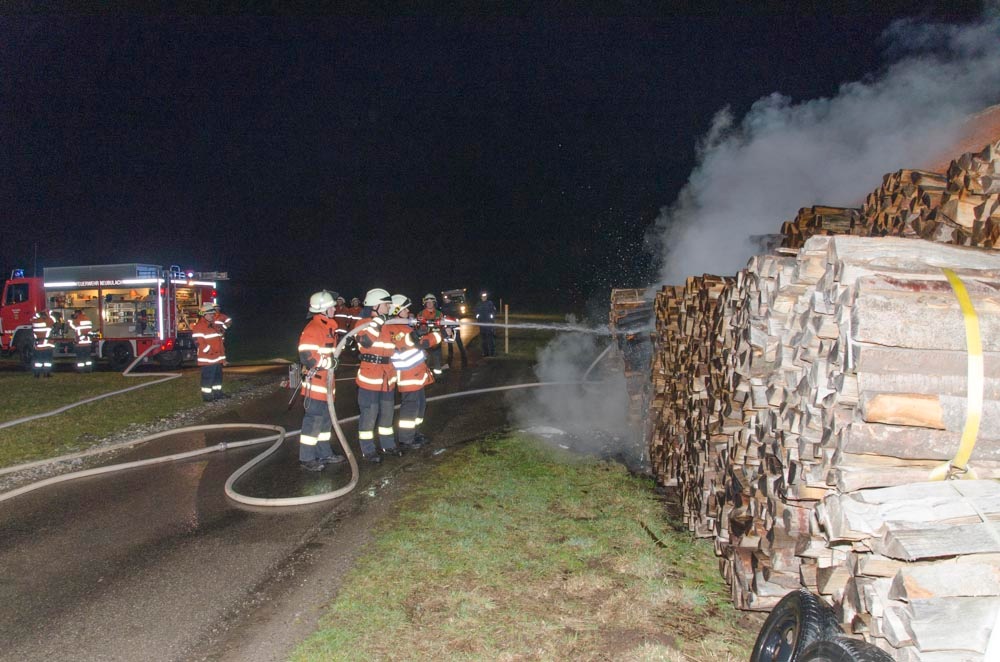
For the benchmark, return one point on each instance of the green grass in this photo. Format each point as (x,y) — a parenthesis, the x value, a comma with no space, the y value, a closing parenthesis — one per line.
(81,427)
(508,550)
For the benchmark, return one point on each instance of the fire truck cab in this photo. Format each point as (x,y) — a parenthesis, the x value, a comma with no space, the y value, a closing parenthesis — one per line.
(133,307)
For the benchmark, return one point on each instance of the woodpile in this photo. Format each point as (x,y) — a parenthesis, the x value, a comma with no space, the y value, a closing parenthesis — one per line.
(631,322)
(822,379)
(961,206)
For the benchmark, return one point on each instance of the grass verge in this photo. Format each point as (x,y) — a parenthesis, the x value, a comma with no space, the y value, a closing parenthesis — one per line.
(79,428)
(509,550)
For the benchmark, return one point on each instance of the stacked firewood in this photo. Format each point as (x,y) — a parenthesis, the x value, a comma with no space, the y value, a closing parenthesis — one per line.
(630,322)
(959,207)
(838,370)
(819,220)
(922,576)
(684,410)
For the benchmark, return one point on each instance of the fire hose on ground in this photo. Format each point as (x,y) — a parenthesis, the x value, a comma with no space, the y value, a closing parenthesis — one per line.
(278,435)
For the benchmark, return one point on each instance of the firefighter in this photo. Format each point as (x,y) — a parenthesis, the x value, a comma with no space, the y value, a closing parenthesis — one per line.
(486,313)
(453,309)
(376,379)
(412,375)
(342,317)
(209,332)
(82,328)
(430,317)
(316,345)
(41,327)
(355,311)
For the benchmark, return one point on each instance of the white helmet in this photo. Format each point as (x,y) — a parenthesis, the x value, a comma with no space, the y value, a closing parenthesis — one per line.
(322,301)
(399,301)
(429,297)
(377,296)
(209,307)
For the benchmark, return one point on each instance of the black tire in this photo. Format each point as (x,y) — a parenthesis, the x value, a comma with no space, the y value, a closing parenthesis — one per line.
(799,620)
(119,354)
(170,360)
(842,649)
(24,347)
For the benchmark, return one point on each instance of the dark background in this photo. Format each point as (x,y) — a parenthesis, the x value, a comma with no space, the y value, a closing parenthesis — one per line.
(525,153)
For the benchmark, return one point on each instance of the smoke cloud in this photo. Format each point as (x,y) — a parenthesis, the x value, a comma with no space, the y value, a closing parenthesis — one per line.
(589,418)
(755,172)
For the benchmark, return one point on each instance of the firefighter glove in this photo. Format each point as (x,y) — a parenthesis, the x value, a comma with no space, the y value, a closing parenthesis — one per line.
(327,363)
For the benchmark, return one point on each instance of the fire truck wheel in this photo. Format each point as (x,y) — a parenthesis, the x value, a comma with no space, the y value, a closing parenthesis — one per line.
(24,346)
(120,355)
(170,360)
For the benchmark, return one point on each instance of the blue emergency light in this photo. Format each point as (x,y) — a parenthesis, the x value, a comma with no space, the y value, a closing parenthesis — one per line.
(17,273)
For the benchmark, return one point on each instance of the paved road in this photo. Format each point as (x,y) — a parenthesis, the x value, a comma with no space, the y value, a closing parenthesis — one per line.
(157,564)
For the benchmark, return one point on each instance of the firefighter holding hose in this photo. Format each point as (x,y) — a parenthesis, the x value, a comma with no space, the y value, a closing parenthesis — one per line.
(376,379)
(316,345)
(412,374)
(431,317)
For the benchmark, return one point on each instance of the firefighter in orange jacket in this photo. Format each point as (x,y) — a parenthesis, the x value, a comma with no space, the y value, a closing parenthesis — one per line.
(209,332)
(376,379)
(429,317)
(316,345)
(412,374)
(41,327)
(82,328)
(354,311)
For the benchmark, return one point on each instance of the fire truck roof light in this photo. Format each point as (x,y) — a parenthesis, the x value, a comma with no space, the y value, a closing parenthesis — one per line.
(17,273)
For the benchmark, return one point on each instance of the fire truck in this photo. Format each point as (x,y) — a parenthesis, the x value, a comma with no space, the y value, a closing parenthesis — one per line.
(133,307)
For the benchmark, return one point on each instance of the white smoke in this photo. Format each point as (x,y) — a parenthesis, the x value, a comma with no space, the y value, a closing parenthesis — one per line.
(592,416)
(754,173)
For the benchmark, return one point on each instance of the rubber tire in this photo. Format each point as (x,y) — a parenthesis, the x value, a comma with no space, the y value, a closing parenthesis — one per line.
(24,345)
(842,649)
(171,360)
(120,355)
(797,621)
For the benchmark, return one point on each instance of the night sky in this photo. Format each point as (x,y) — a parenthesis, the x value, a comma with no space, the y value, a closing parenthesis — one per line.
(527,155)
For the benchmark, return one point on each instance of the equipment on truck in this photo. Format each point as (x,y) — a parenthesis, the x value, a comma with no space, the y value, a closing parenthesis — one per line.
(132,306)
(454,302)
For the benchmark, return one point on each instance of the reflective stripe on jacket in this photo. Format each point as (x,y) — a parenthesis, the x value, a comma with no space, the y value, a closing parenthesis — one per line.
(41,326)
(82,327)
(318,340)
(409,359)
(376,341)
(211,348)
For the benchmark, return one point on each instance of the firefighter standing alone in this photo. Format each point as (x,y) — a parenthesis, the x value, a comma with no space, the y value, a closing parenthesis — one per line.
(316,345)
(209,332)
(486,313)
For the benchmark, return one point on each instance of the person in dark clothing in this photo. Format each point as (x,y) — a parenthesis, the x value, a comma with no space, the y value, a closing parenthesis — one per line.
(486,313)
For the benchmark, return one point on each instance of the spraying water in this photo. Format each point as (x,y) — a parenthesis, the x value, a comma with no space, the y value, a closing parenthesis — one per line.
(544,327)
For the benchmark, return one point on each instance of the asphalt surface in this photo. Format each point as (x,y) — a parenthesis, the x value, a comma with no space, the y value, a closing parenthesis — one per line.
(157,563)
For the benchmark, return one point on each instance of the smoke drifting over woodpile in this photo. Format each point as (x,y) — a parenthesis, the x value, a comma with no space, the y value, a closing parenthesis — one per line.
(755,172)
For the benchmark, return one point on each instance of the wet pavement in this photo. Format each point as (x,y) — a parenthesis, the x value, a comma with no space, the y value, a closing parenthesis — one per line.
(156,563)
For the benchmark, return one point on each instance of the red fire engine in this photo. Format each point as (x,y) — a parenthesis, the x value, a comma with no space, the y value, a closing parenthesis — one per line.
(132,307)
